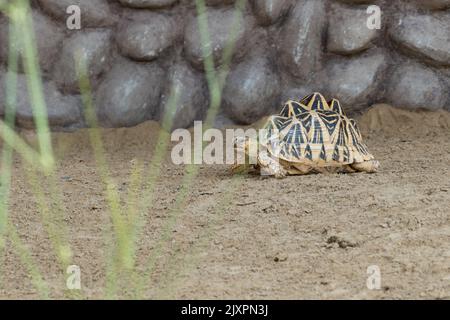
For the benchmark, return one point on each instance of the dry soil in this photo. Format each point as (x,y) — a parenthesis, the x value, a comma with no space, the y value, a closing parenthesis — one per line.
(245,236)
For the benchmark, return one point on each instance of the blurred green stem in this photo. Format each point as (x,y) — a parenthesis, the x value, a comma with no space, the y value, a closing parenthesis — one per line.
(216,81)
(31,64)
(7,154)
(124,253)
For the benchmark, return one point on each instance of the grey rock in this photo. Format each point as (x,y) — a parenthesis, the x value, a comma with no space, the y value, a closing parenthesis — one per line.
(446,72)
(219,2)
(270,11)
(220,24)
(300,43)
(348,32)
(185,99)
(356,81)
(223,121)
(296,93)
(424,36)
(48,38)
(148,4)
(433,4)
(414,86)
(251,91)
(285,49)
(129,94)
(356,1)
(93,13)
(147,38)
(63,112)
(93,47)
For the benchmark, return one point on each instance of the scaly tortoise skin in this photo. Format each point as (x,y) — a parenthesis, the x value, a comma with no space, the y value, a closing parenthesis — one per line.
(310,135)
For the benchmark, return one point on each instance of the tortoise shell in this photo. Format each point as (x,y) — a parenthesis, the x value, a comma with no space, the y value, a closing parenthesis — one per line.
(315,132)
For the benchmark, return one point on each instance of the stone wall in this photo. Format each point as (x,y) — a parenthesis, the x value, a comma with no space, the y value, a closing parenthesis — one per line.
(138,50)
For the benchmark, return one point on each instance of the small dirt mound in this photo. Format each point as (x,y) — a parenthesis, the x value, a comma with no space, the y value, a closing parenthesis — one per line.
(393,122)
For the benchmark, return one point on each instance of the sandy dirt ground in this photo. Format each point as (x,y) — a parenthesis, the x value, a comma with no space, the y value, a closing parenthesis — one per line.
(246,236)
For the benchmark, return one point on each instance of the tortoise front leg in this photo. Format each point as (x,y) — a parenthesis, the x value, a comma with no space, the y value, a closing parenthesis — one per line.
(370,166)
(270,166)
